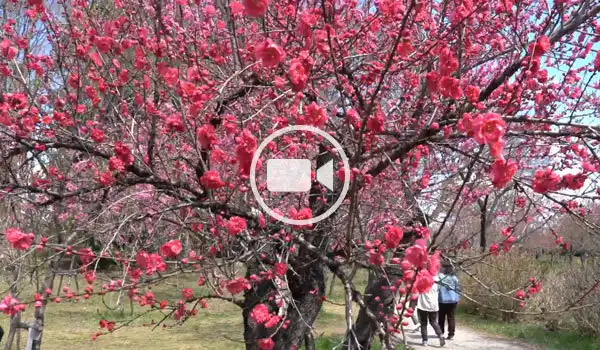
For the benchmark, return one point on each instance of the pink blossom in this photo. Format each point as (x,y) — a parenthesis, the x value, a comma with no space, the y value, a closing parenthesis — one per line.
(246,145)
(270,53)
(502,172)
(260,314)
(235,225)
(171,249)
(187,293)
(393,236)
(423,282)
(150,262)
(256,8)
(11,306)
(265,344)
(237,285)
(211,180)
(206,136)
(546,180)
(281,269)
(18,239)
(416,255)
(314,115)
(488,128)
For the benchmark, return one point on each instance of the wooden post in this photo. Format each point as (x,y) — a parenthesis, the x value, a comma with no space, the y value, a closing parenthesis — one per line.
(33,337)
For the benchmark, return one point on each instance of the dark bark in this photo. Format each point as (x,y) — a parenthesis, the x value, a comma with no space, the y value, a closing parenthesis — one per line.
(307,288)
(306,283)
(483,224)
(380,301)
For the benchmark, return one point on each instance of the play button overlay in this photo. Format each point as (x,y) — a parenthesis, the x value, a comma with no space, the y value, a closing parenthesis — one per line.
(325,175)
(294,175)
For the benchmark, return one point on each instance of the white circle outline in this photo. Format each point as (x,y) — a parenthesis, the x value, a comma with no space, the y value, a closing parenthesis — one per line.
(288,130)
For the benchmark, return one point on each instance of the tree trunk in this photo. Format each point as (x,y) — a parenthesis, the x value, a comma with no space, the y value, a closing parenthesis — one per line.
(380,300)
(306,283)
(307,288)
(15,320)
(483,224)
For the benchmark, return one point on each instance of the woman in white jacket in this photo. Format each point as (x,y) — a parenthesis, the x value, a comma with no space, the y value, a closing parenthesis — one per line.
(427,308)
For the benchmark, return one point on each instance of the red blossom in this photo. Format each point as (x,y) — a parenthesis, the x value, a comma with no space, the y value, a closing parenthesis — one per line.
(540,47)
(450,87)
(187,293)
(265,344)
(106,179)
(235,225)
(502,172)
(423,282)
(211,180)
(260,314)
(270,53)
(546,180)
(416,255)
(123,153)
(150,262)
(375,123)
(237,285)
(314,115)
(11,306)
(90,277)
(97,135)
(494,249)
(302,214)
(574,182)
(272,322)
(206,136)
(488,128)
(7,50)
(393,236)
(246,145)
(520,294)
(256,8)
(281,269)
(18,239)
(171,249)
(300,70)
(375,258)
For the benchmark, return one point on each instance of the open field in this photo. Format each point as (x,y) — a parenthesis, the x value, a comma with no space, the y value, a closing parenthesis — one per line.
(71,325)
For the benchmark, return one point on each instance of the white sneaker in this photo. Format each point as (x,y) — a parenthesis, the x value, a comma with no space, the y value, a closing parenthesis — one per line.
(425,343)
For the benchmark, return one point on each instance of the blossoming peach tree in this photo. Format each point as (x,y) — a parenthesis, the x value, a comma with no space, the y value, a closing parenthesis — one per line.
(128,128)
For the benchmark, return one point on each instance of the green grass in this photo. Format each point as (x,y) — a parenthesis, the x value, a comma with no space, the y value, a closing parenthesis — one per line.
(70,325)
(533,333)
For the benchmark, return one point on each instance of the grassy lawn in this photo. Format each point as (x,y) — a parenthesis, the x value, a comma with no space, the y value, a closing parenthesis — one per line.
(70,325)
(533,333)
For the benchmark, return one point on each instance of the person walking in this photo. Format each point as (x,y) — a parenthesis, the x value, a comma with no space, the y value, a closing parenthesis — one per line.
(414,317)
(449,296)
(427,308)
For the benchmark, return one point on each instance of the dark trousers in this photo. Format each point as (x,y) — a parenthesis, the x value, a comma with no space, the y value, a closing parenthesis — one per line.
(425,316)
(448,311)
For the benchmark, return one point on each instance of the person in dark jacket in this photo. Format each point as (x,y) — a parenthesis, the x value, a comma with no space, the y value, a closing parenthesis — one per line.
(449,296)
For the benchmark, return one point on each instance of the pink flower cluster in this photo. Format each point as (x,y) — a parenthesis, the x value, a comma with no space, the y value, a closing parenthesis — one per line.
(18,239)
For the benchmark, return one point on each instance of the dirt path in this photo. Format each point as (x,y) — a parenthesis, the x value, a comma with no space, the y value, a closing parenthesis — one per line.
(466,339)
